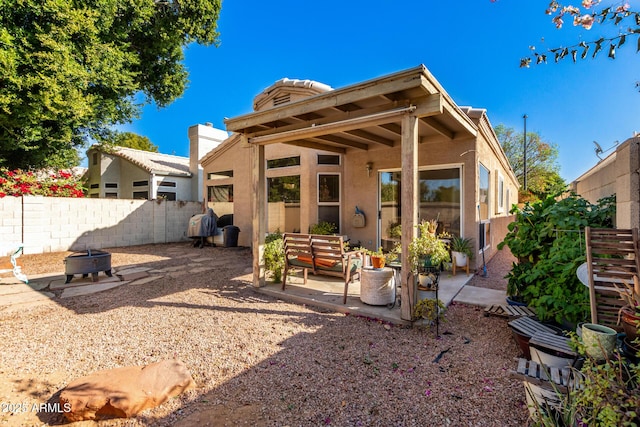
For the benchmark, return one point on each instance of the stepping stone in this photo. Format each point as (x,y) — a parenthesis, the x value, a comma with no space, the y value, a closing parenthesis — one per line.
(207,259)
(81,281)
(178,273)
(25,297)
(89,289)
(145,280)
(133,273)
(20,287)
(201,269)
(175,268)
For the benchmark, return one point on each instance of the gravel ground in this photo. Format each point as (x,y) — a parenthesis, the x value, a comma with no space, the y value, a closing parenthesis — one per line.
(259,361)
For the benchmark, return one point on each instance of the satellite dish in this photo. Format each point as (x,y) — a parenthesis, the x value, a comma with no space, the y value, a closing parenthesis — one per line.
(599,149)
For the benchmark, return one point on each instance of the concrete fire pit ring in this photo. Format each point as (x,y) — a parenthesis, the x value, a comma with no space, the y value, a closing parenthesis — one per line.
(85,263)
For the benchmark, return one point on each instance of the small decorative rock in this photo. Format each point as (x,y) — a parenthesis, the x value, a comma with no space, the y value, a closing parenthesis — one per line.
(124,392)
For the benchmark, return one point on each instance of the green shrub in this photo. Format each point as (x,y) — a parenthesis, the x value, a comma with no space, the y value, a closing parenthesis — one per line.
(324,227)
(547,238)
(274,255)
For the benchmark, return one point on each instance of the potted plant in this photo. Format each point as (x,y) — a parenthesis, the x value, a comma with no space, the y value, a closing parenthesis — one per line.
(629,315)
(378,258)
(431,310)
(427,250)
(274,255)
(461,250)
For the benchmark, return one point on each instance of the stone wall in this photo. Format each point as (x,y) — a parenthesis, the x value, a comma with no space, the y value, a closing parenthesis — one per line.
(53,224)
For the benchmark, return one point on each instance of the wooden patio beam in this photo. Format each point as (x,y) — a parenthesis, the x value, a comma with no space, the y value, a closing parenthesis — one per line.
(339,116)
(438,127)
(401,81)
(335,127)
(342,141)
(368,136)
(317,146)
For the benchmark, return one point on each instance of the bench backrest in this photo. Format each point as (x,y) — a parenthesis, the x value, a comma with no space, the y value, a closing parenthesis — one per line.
(297,245)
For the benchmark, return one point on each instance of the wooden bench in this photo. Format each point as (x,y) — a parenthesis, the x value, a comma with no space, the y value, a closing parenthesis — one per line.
(322,255)
(557,379)
(505,310)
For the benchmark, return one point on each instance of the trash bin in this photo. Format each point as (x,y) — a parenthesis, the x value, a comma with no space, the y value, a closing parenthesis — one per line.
(230,236)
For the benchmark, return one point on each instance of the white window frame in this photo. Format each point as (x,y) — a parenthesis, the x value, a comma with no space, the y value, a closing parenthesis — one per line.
(500,192)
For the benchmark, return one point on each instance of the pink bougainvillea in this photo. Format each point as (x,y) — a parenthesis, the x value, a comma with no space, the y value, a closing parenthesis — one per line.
(20,183)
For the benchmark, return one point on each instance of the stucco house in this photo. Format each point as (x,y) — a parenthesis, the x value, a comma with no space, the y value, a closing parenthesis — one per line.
(126,173)
(396,147)
(619,174)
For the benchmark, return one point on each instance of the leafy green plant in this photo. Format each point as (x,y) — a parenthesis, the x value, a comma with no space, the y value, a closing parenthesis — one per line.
(546,238)
(428,245)
(274,255)
(429,309)
(323,227)
(462,245)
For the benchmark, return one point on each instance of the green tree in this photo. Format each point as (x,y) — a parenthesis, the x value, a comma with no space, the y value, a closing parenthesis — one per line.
(69,70)
(543,176)
(131,140)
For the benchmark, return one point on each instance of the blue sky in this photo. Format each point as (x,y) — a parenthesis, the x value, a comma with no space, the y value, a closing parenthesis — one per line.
(472,47)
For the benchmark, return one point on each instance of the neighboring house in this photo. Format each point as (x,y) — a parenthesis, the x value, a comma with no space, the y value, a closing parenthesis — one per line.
(126,173)
(619,174)
(397,148)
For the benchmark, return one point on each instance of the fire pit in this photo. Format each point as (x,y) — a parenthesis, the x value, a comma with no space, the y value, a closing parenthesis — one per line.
(85,263)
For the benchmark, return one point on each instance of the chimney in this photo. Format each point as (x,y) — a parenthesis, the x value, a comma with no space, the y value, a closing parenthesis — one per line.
(202,139)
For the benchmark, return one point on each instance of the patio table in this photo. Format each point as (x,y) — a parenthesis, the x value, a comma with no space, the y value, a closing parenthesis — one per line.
(377,286)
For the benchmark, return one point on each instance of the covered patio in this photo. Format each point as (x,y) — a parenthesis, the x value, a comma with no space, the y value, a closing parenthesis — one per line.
(390,119)
(326,292)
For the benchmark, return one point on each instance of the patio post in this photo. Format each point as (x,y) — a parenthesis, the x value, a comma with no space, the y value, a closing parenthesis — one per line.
(409,150)
(258,210)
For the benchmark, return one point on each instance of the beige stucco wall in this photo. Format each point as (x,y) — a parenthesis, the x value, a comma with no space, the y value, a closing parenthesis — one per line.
(359,188)
(617,174)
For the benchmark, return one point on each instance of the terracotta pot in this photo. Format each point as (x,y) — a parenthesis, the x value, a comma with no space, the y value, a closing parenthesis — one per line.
(630,319)
(377,261)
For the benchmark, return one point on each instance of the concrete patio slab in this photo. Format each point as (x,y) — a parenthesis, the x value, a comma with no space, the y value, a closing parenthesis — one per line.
(473,295)
(90,289)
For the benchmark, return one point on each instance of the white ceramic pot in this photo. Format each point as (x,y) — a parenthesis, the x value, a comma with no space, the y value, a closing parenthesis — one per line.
(599,341)
(459,258)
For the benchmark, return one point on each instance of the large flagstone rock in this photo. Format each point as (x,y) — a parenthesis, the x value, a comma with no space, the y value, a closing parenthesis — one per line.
(124,392)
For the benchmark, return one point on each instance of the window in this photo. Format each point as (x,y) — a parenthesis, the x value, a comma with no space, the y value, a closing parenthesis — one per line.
(111,185)
(440,195)
(483,191)
(220,175)
(95,186)
(500,193)
(167,184)
(220,193)
(328,159)
(140,183)
(283,197)
(111,195)
(283,162)
(484,234)
(167,195)
(329,198)
(141,195)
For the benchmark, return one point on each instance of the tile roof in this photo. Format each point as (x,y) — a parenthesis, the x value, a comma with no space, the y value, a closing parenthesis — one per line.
(157,163)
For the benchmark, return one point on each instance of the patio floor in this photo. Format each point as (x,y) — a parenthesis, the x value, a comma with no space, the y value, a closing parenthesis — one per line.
(326,292)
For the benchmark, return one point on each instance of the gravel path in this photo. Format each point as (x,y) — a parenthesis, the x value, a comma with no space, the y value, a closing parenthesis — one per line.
(258,361)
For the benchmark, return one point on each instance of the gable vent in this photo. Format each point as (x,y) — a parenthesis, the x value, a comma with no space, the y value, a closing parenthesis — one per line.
(279,100)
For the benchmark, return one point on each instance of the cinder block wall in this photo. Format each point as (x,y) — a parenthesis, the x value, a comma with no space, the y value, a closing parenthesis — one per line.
(53,224)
